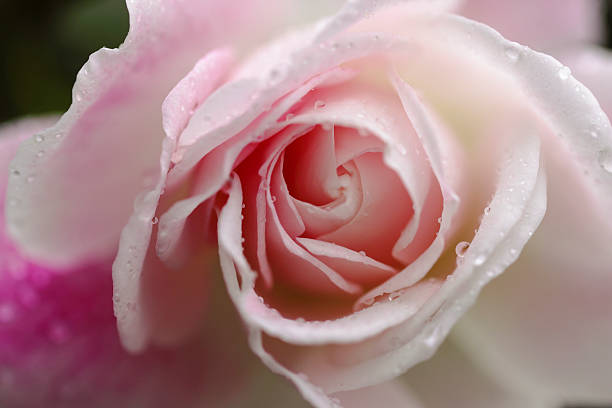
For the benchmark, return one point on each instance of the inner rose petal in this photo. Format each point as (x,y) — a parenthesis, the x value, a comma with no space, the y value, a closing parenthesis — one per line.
(385,212)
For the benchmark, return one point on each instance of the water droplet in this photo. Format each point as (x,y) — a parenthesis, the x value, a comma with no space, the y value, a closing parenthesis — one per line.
(439,220)
(58,333)
(362,253)
(39,138)
(401,149)
(41,153)
(480,259)
(513,53)
(28,297)
(273,198)
(487,210)
(78,97)
(605,160)
(513,251)
(564,73)
(155,220)
(462,248)
(394,295)
(7,313)
(319,104)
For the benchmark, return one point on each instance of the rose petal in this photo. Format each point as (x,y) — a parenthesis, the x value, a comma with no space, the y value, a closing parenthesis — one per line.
(210,141)
(559,350)
(310,168)
(11,135)
(353,266)
(539,24)
(135,237)
(108,142)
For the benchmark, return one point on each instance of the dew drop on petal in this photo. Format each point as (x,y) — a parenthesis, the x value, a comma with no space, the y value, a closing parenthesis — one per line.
(480,259)
(319,104)
(605,160)
(58,333)
(513,53)
(39,138)
(462,248)
(564,73)
(155,220)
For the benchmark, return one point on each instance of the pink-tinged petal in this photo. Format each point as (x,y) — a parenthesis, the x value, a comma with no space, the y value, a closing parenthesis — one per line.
(310,167)
(296,266)
(109,141)
(379,113)
(134,244)
(439,217)
(452,379)
(379,223)
(255,312)
(62,349)
(353,266)
(235,267)
(215,142)
(11,135)
(554,343)
(353,12)
(319,220)
(507,227)
(540,24)
(593,67)
(285,207)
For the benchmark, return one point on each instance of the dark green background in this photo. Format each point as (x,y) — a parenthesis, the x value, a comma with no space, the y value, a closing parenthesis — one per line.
(45,42)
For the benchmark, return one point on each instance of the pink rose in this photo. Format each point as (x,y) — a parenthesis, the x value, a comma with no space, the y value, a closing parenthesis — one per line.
(361,179)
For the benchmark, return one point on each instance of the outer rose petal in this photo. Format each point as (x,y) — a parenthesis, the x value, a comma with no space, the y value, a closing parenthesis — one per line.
(554,343)
(58,339)
(90,167)
(539,23)
(11,134)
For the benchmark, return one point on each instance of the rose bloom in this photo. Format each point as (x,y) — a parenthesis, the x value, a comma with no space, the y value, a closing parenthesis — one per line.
(330,186)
